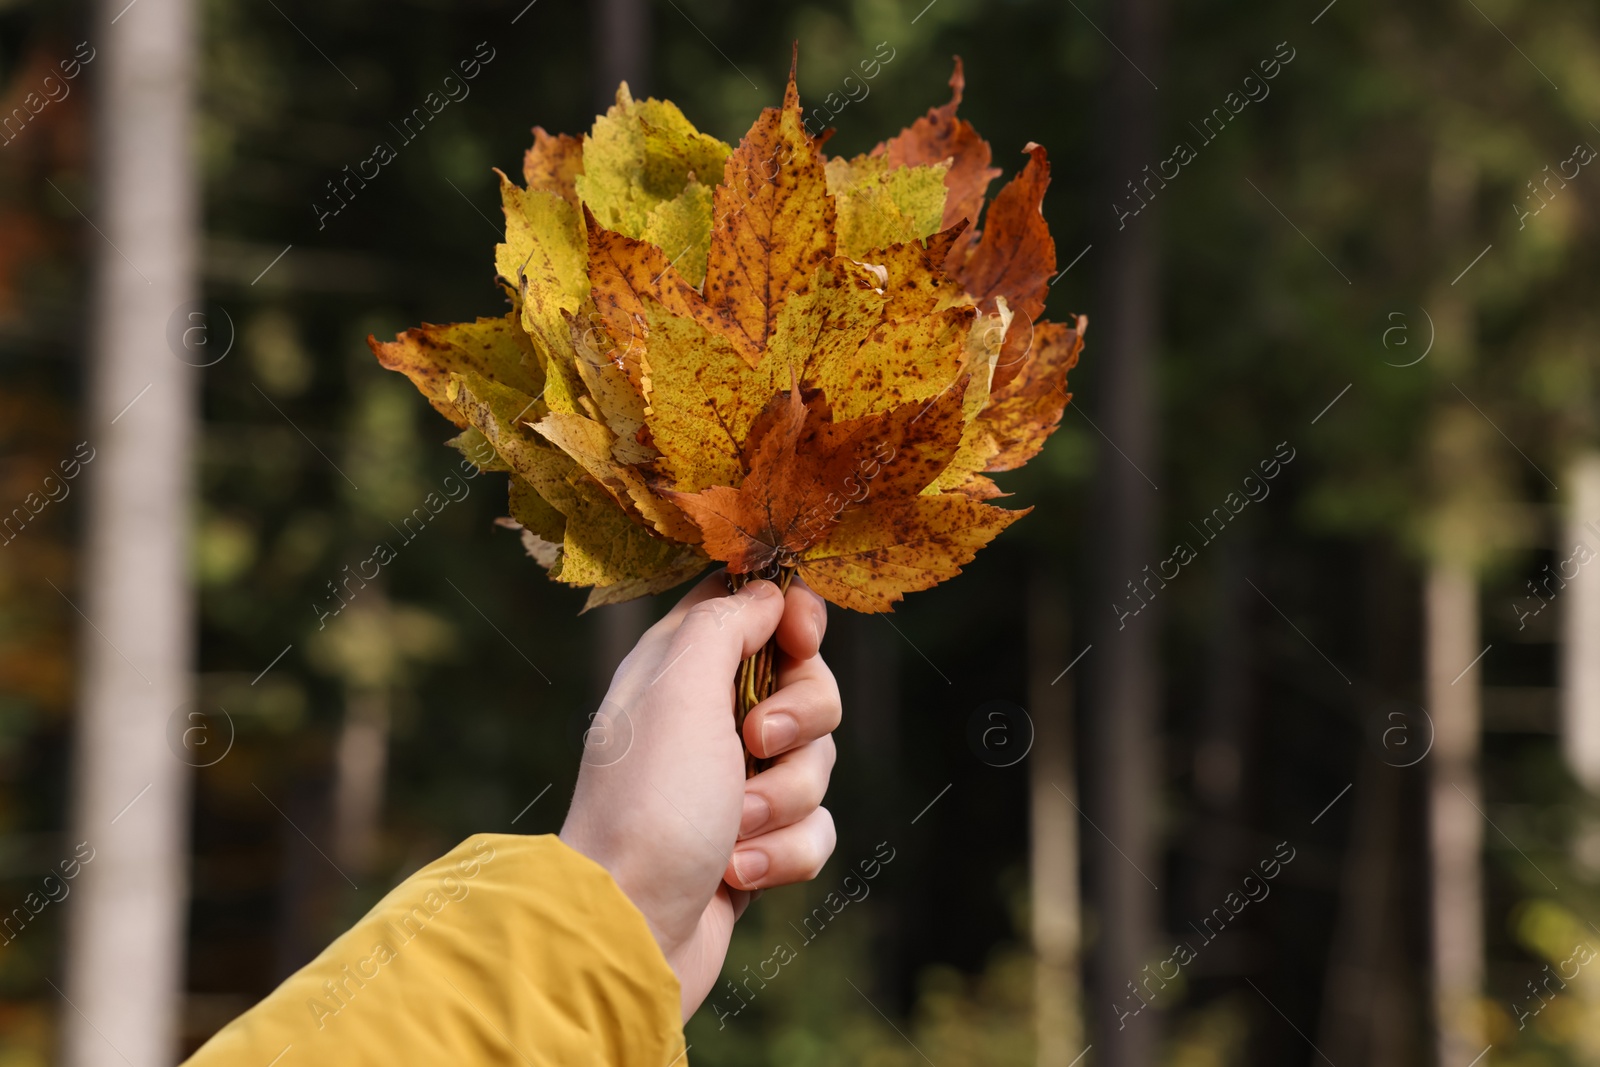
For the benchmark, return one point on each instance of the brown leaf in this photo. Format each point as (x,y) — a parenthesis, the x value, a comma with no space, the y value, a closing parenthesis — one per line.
(1015,255)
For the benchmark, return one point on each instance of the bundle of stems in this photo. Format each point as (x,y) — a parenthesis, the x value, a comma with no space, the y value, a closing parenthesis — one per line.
(758,674)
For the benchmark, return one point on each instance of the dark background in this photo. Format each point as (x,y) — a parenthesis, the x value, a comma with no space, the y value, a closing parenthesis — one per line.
(1279,654)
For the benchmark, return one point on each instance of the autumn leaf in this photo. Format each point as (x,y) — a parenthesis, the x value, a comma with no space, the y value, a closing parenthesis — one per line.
(641,155)
(1014,258)
(876,555)
(703,398)
(1023,414)
(939,136)
(542,262)
(878,206)
(773,226)
(553,163)
(901,361)
(806,470)
(591,444)
(495,349)
(914,279)
(535,515)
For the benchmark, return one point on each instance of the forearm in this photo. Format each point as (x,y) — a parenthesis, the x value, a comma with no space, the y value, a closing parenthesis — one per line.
(507,949)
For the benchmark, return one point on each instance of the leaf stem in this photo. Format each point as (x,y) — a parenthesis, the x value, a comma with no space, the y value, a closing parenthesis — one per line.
(757,676)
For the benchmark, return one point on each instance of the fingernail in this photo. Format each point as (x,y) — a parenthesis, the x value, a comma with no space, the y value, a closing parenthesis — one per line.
(750,865)
(760,589)
(756,813)
(778,733)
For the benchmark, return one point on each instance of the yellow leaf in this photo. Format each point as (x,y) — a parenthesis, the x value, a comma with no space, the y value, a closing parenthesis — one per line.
(475,447)
(619,401)
(827,322)
(601,543)
(879,207)
(640,154)
(605,546)
(592,446)
(915,282)
(495,349)
(533,513)
(502,416)
(703,398)
(901,361)
(681,227)
(674,572)
(543,260)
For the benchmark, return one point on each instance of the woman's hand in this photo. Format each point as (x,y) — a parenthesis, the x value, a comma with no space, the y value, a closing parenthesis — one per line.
(662,801)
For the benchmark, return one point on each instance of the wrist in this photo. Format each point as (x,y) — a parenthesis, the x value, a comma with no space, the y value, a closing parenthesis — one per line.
(594,846)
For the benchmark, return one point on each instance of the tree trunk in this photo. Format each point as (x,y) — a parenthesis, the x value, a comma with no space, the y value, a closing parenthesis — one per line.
(361,771)
(1053,790)
(1460,545)
(1455,823)
(1371,1000)
(1365,1000)
(125,928)
(1580,625)
(1123,724)
(622,48)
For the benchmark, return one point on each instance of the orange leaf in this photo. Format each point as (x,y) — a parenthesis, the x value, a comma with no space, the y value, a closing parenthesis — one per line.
(805,471)
(1015,255)
(552,163)
(1025,413)
(773,225)
(939,136)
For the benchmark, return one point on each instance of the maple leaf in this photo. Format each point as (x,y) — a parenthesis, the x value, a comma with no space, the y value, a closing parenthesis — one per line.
(773,226)
(806,470)
(939,136)
(879,206)
(553,163)
(496,349)
(1023,414)
(644,173)
(876,555)
(541,262)
(602,544)
(1014,258)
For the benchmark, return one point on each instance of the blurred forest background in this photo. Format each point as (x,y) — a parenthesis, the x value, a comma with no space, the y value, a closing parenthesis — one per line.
(1347,757)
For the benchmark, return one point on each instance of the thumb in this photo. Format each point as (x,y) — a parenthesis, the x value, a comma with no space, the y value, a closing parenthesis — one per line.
(727,629)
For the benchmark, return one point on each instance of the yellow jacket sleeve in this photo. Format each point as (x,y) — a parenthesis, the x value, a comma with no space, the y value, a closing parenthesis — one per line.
(506,950)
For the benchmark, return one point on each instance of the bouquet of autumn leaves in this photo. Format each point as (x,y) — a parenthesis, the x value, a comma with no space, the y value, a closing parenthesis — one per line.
(763,356)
